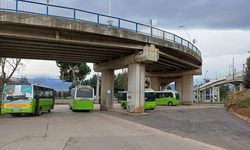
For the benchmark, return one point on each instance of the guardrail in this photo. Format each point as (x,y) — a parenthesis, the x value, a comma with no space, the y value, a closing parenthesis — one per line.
(25,6)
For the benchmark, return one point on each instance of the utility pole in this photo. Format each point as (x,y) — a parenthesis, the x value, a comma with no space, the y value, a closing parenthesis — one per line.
(233,68)
(205,78)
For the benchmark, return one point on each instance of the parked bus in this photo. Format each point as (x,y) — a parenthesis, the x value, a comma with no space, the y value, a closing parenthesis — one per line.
(27,99)
(82,98)
(169,97)
(148,104)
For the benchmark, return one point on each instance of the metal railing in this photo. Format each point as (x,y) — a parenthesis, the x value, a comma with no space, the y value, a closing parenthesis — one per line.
(24,6)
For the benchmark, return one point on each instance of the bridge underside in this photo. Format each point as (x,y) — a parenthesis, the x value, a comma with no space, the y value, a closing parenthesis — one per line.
(49,38)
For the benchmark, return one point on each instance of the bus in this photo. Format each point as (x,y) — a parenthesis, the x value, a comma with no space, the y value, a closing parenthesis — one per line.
(82,98)
(31,99)
(148,104)
(168,97)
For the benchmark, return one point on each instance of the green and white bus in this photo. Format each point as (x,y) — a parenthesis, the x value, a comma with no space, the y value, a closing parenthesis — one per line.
(148,104)
(27,99)
(82,98)
(168,97)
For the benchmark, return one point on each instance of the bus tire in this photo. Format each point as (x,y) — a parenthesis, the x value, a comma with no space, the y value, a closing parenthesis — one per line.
(38,111)
(170,103)
(49,111)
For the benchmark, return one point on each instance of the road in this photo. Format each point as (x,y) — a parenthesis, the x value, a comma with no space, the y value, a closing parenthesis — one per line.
(66,130)
(209,124)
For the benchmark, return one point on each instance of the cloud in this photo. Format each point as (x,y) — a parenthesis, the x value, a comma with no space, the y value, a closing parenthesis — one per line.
(223,14)
(204,14)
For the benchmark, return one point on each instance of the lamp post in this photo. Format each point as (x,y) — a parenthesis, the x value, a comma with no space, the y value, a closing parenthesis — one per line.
(47,7)
(110,21)
(186,32)
(110,7)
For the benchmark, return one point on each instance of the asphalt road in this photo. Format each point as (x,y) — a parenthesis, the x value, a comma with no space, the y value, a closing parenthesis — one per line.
(209,124)
(66,130)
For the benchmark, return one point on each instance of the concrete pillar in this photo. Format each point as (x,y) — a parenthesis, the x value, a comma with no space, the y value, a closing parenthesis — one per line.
(178,87)
(213,97)
(136,88)
(210,94)
(187,89)
(241,87)
(155,83)
(107,89)
(218,93)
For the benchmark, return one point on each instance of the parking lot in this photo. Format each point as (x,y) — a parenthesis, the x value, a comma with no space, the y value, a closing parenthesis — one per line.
(66,130)
(211,124)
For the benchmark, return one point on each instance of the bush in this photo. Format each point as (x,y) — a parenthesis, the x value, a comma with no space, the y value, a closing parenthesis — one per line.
(246,79)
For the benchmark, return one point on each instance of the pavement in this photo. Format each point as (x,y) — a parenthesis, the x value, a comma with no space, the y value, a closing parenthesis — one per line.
(210,124)
(65,130)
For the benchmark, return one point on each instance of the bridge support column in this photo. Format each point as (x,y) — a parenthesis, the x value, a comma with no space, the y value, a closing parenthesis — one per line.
(213,94)
(241,87)
(155,83)
(218,90)
(178,87)
(187,89)
(136,87)
(1,63)
(107,89)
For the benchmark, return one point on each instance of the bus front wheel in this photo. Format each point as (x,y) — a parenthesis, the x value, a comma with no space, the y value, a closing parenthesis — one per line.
(38,111)
(170,104)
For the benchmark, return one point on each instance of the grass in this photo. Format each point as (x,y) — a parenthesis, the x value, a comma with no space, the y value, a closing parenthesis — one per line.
(245,103)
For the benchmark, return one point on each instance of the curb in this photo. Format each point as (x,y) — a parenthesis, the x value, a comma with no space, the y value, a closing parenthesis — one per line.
(128,113)
(239,115)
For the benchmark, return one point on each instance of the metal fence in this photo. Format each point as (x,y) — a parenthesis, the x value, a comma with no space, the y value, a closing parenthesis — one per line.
(25,6)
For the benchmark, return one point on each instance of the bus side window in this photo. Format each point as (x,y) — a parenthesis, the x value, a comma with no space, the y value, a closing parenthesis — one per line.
(157,95)
(169,94)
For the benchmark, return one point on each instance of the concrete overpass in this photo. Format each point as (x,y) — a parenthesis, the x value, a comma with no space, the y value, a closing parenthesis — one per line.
(214,86)
(33,30)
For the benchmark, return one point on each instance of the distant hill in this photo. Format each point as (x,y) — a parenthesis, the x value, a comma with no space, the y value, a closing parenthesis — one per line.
(50,82)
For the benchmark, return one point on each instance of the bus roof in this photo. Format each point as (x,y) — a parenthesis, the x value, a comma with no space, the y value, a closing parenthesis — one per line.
(29,85)
(172,91)
(83,86)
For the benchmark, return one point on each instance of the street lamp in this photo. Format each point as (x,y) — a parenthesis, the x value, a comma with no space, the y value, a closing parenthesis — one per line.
(110,6)
(110,21)
(186,32)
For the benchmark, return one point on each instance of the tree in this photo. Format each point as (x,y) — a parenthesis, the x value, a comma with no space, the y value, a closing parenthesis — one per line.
(91,82)
(121,82)
(8,67)
(224,89)
(73,72)
(246,78)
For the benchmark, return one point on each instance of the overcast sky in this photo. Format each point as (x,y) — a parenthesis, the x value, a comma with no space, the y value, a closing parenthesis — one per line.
(222,27)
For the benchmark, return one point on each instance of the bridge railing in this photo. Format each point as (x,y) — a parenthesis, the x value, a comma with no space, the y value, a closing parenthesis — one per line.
(25,6)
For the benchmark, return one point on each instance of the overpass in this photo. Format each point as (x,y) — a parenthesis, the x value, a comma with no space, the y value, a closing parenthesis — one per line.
(33,30)
(214,86)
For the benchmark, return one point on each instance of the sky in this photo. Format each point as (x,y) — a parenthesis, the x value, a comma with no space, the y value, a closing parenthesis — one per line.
(221,28)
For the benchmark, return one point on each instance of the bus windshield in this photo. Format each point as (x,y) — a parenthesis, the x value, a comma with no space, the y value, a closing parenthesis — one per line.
(17,92)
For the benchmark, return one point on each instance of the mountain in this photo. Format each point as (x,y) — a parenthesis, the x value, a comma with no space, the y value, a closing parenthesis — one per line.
(50,82)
